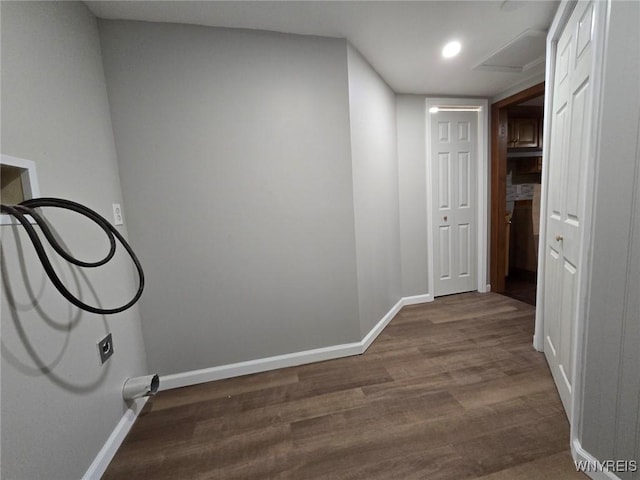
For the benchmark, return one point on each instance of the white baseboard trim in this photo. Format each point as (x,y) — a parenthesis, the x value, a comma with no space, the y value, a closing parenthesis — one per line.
(416,299)
(111,446)
(538,343)
(379,327)
(177,380)
(211,374)
(167,382)
(581,455)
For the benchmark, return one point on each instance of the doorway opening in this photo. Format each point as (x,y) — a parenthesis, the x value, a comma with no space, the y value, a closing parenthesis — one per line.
(516,166)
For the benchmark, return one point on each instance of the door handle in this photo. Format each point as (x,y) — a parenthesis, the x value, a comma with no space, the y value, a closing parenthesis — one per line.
(559,238)
(444,219)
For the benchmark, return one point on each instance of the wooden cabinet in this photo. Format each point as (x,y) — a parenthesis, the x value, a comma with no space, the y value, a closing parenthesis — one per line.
(525,127)
(524,133)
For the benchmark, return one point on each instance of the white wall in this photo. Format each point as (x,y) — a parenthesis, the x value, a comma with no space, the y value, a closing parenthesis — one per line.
(235,157)
(58,404)
(375,190)
(412,130)
(610,418)
(414,190)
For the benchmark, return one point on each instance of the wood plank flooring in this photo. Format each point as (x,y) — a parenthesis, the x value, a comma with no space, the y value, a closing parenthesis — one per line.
(450,390)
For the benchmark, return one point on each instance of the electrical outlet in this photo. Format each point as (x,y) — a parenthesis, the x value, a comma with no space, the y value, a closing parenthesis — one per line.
(105,348)
(117,214)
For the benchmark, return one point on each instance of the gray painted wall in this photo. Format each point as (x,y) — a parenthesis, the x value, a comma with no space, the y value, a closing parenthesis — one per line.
(235,157)
(58,404)
(412,128)
(610,420)
(375,190)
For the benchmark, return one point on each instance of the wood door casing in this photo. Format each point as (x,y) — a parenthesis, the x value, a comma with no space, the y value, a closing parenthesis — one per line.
(499,139)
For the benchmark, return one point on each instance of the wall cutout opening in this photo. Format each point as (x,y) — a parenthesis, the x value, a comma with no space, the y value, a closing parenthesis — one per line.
(18,182)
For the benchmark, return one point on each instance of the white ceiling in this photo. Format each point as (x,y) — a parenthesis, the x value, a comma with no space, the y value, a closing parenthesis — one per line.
(401,39)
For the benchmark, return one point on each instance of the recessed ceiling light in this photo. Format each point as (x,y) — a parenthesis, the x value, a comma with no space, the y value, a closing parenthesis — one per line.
(434,110)
(451,49)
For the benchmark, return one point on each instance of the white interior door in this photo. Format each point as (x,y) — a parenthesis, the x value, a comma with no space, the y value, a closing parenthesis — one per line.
(568,137)
(454,167)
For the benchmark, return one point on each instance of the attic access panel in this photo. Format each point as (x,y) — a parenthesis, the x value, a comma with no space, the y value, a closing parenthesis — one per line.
(522,53)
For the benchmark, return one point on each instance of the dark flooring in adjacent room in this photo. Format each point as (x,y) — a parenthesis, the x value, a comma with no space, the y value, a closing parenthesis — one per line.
(521,288)
(450,390)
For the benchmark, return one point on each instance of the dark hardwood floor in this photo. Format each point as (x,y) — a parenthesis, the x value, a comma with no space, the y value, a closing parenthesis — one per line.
(450,390)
